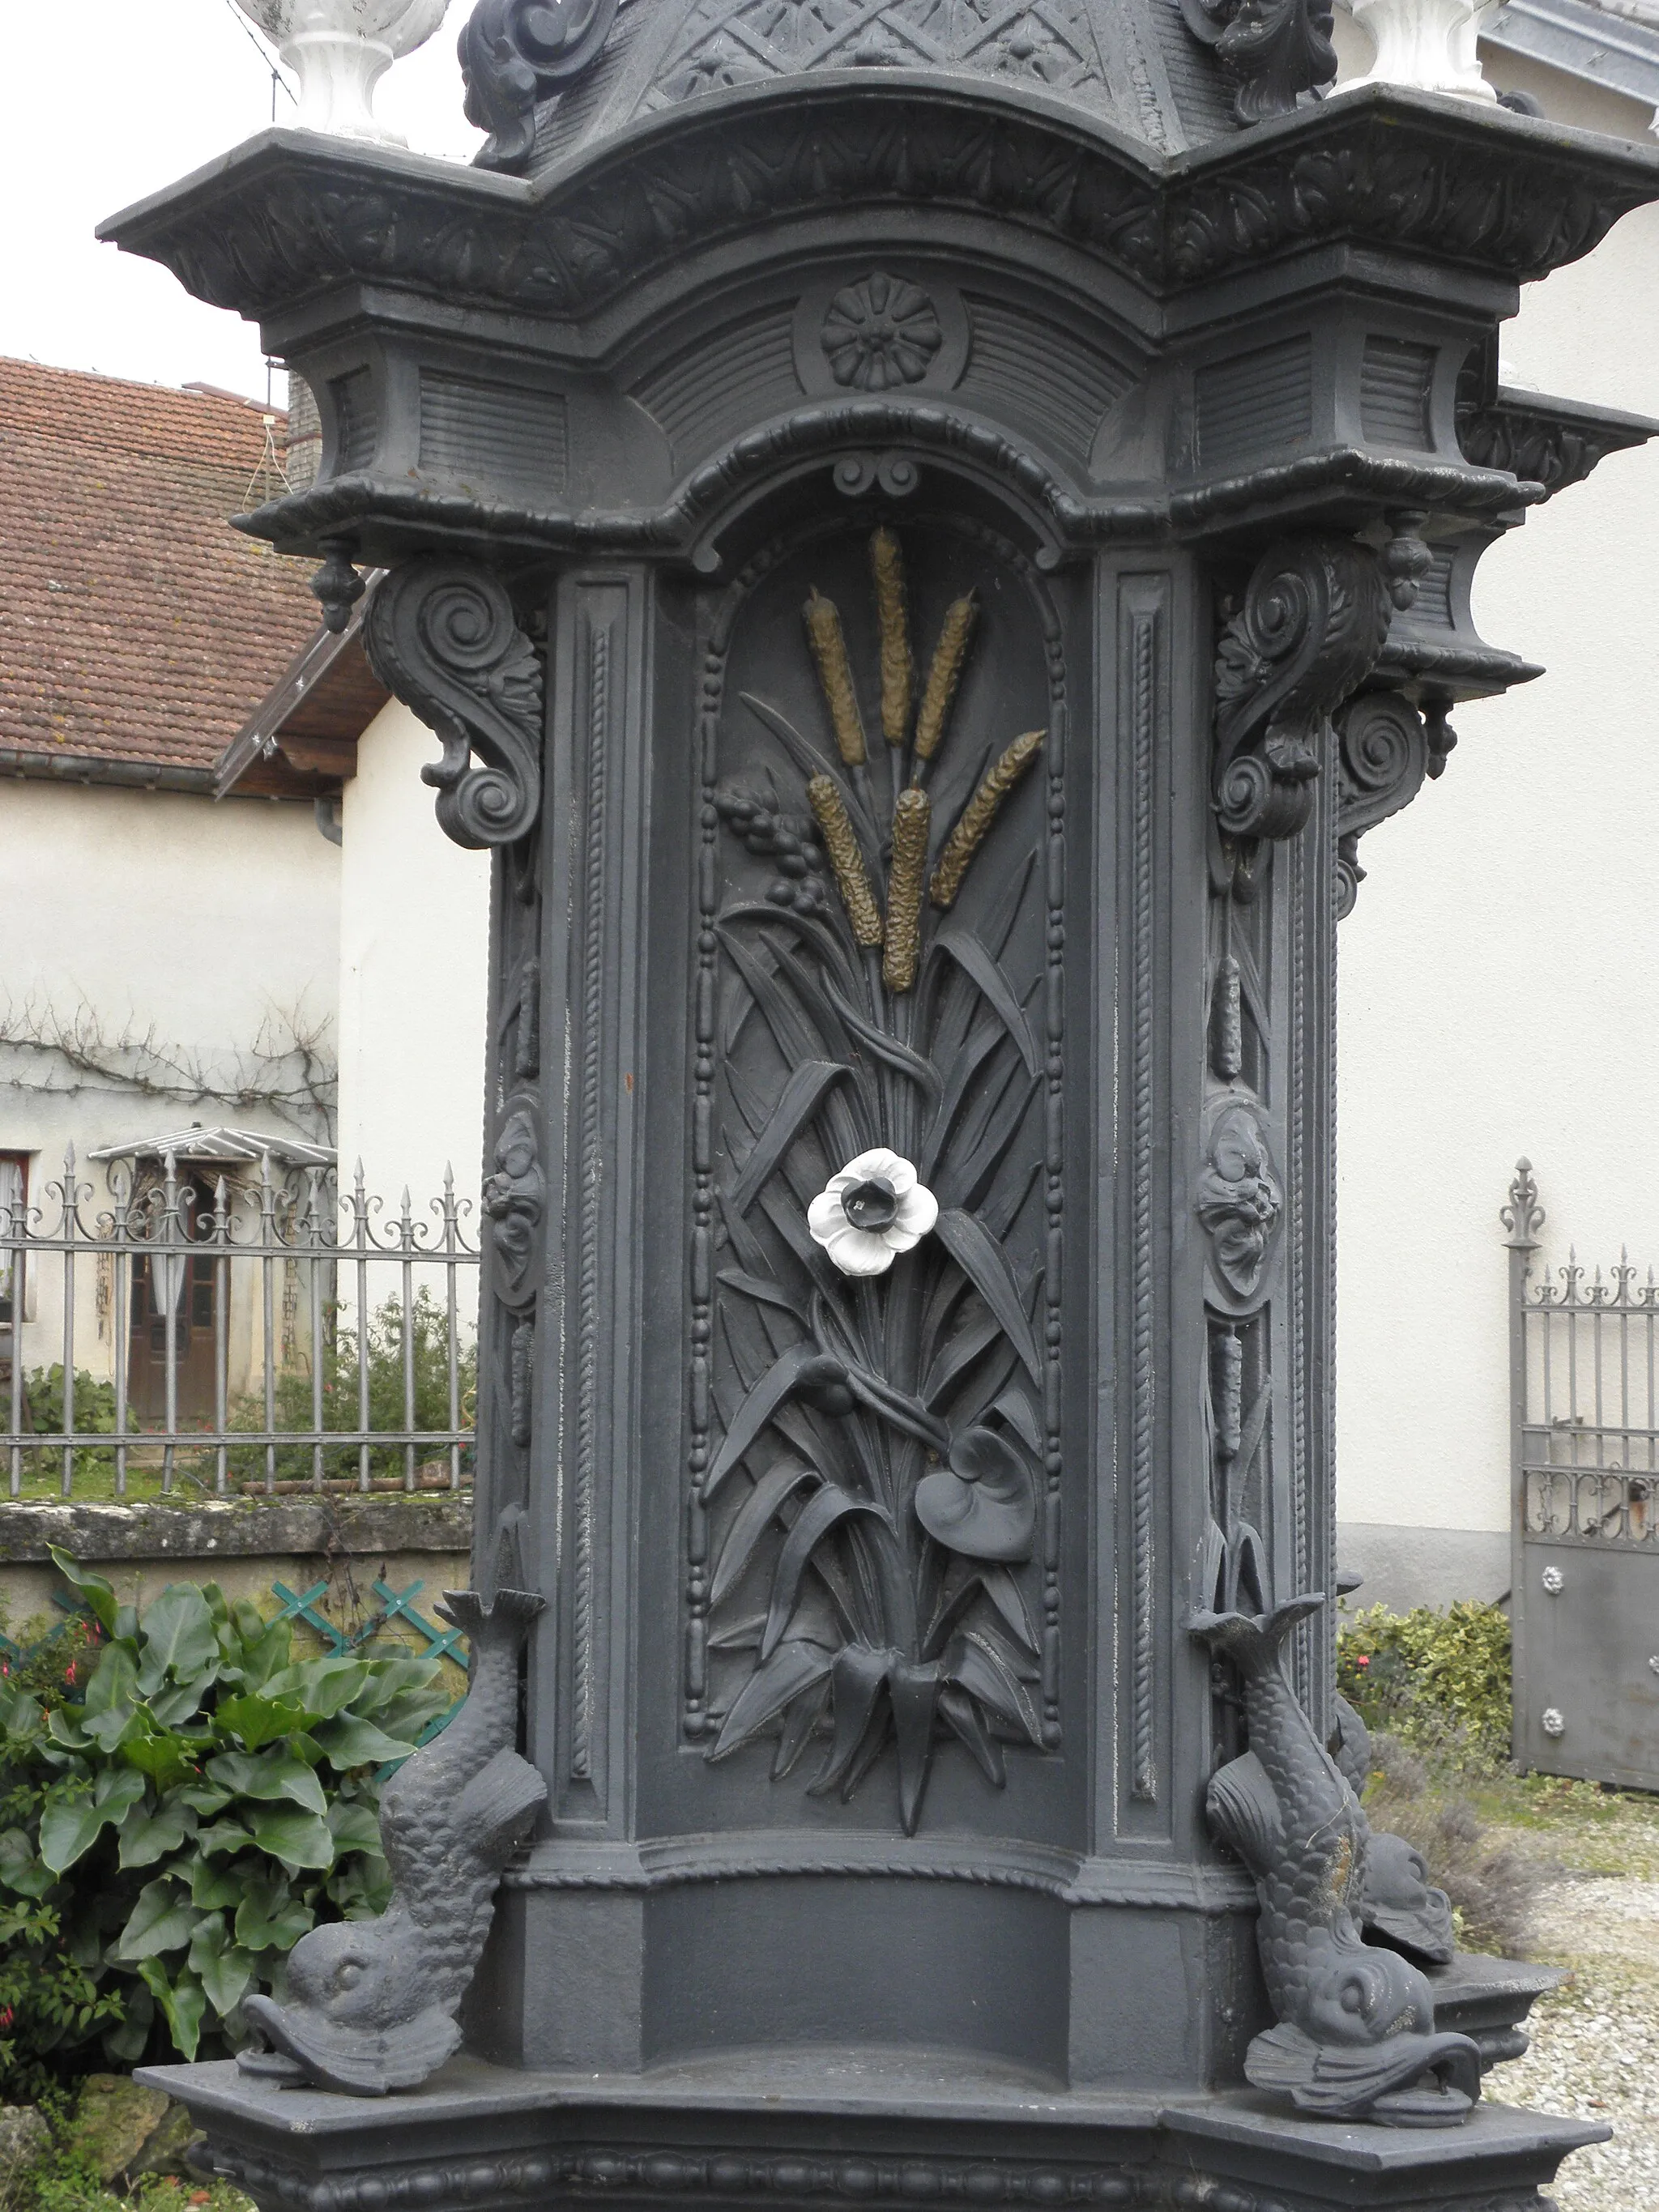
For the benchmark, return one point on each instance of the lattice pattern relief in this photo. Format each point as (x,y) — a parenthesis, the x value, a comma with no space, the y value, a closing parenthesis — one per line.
(726,42)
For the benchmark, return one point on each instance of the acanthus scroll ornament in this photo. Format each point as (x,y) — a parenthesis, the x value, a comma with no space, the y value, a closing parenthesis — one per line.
(515,52)
(442,635)
(1274,50)
(1314,619)
(1383,753)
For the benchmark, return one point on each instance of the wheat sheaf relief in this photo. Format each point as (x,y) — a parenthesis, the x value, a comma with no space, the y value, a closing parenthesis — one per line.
(874,1492)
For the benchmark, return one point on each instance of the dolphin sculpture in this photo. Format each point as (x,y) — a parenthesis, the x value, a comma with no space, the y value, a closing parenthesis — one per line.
(370,2004)
(1355,2036)
(1398,1905)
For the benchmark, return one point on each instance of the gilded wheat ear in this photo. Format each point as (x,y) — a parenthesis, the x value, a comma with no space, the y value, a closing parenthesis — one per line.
(912,815)
(981,812)
(835,674)
(944,674)
(845,859)
(892,614)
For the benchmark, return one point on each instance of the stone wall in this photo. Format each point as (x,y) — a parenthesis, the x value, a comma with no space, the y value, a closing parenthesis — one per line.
(243,1544)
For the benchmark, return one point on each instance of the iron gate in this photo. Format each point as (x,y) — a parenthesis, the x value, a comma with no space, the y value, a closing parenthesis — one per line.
(1584,1441)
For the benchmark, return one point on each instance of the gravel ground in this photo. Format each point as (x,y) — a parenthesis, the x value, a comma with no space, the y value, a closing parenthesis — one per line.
(1595,2041)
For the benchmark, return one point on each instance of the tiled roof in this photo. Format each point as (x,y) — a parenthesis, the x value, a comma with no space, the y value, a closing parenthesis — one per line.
(136,626)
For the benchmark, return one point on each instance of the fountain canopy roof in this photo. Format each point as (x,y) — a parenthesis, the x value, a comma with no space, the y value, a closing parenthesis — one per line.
(1132,65)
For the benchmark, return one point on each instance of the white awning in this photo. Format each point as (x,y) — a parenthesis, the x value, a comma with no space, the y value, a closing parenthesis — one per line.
(222,1145)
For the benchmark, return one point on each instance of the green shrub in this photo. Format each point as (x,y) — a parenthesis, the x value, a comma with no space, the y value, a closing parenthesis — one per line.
(295,1406)
(53,1664)
(1440,1681)
(94,1416)
(94,1401)
(177,1807)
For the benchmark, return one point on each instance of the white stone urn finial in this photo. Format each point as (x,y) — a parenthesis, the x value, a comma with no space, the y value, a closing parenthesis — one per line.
(1427,45)
(340,50)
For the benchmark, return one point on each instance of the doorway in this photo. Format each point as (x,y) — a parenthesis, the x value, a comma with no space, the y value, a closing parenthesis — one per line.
(189,1282)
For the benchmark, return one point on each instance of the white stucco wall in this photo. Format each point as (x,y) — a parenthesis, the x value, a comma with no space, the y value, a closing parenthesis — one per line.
(1495,988)
(207,927)
(414,948)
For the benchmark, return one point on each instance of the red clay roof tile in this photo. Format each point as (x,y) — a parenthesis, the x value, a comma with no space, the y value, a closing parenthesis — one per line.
(135,624)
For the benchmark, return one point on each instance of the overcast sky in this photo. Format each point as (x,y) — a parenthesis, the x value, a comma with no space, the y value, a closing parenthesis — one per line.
(101,103)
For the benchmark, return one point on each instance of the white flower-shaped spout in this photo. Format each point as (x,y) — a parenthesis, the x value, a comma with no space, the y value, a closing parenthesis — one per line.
(873,1209)
(340,50)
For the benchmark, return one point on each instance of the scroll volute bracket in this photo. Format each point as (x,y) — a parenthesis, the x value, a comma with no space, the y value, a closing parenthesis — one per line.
(1311,623)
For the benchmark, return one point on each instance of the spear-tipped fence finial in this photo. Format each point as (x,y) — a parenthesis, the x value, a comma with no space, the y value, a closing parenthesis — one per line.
(1522,1217)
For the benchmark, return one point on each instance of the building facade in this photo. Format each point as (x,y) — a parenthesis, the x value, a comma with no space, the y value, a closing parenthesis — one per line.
(169,960)
(1495,994)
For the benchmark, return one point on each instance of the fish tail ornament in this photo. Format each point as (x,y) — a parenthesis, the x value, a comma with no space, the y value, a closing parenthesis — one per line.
(1354,2038)
(371,2004)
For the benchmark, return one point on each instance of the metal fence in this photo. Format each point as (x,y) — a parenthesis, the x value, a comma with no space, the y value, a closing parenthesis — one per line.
(207,1331)
(1584,1435)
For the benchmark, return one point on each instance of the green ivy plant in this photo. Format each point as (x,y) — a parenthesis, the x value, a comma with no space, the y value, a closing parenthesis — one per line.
(175,1814)
(1438,1679)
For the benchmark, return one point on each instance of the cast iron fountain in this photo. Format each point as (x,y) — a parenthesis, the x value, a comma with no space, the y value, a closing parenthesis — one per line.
(927,532)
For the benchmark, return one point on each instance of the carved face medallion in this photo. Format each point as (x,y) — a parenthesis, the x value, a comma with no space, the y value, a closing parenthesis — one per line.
(513,1195)
(1239,1199)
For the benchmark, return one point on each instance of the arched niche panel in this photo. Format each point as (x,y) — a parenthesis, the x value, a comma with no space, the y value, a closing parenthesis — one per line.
(875,1461)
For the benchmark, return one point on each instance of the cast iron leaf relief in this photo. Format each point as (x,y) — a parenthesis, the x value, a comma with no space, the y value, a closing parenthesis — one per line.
(879,1399)
(722,42)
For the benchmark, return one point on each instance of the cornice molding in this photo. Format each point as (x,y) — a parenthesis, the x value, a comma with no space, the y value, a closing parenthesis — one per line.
(674,1861)
(349,504)
(1556,442)
(737,2170)
(289,214)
